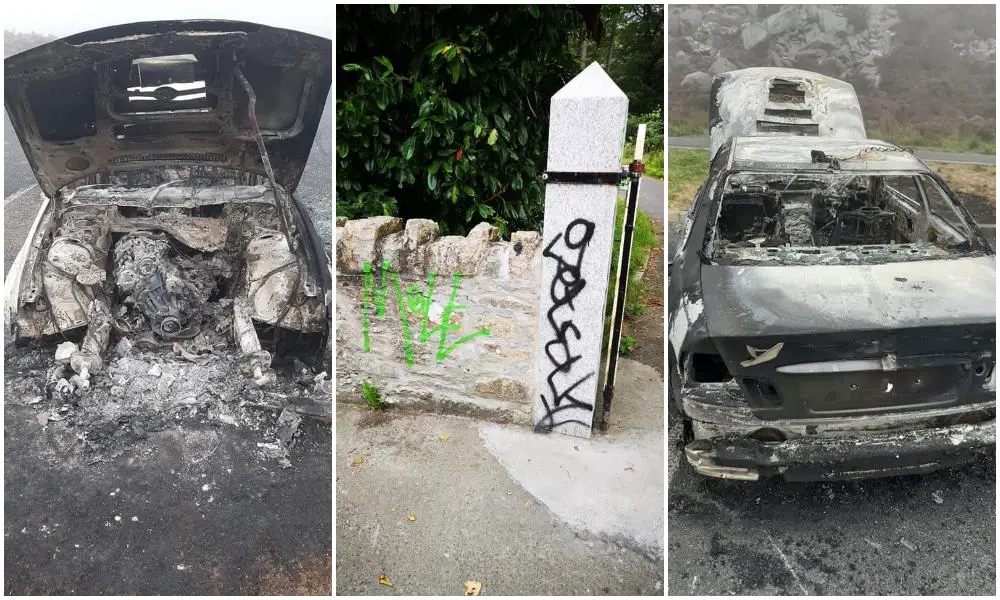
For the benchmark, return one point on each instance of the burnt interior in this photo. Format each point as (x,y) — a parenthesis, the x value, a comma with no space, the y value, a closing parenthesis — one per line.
(817,210)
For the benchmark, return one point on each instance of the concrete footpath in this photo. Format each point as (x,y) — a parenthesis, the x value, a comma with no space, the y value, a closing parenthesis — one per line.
(431,501)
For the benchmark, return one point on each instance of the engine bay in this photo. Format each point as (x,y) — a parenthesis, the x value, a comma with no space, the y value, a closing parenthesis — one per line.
(184,263)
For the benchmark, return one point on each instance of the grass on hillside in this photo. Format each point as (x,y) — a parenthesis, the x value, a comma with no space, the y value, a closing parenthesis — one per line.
(915,138)
(909,136)
(686,171)
(687,128)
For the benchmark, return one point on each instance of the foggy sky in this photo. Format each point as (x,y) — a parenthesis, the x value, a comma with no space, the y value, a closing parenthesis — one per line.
(62,17)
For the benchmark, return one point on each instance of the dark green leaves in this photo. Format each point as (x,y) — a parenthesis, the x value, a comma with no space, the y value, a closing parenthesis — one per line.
(434,110)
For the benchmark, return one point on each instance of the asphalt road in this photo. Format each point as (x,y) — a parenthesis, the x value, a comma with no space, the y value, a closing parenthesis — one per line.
(191,510)
(651,197)
(975,159)
(915,535)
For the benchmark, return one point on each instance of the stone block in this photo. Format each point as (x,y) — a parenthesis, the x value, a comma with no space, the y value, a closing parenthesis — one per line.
(360,241)
(501,388)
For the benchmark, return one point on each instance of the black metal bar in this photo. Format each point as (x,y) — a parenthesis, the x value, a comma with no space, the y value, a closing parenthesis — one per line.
(579,177)
(635,173)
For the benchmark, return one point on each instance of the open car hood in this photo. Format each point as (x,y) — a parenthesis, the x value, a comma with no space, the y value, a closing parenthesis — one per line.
(167,93)
(772,101)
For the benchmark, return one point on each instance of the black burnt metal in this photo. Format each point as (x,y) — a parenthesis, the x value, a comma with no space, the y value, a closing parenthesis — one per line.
(635,170)
(579,177)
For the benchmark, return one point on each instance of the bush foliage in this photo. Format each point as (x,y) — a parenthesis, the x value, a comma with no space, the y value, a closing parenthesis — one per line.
(443,113)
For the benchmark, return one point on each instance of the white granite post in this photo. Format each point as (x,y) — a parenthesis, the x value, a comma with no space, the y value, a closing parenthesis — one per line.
(586,134)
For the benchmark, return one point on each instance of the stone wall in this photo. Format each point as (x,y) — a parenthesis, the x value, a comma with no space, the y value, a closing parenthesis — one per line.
(468,342)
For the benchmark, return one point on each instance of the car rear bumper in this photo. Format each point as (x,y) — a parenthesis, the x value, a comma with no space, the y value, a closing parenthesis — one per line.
(855,456)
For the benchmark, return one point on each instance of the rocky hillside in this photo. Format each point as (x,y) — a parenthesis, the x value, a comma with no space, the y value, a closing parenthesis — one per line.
(920,71)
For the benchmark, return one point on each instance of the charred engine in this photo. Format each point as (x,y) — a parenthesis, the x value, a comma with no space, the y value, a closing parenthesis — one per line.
(162,291)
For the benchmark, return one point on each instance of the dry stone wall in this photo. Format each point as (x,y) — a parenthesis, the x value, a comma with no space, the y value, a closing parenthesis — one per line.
(446,323)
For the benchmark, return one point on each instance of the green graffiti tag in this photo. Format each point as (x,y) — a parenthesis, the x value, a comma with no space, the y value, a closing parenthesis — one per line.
(416,302)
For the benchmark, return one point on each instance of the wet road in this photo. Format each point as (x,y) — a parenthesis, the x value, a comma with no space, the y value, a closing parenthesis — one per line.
(915,535)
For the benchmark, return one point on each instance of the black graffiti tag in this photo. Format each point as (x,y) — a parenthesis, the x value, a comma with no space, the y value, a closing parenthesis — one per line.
(566,285)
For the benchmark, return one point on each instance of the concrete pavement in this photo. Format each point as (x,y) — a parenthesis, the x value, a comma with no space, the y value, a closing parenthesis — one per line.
(523,513)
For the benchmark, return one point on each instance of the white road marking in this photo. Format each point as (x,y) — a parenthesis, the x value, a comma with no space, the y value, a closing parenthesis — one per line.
(788,564)
(16,195)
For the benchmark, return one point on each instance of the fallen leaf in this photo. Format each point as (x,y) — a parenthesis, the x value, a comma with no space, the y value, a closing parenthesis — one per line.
(357,461)
(444,438)
(527,503)
(632,469)
(411,517)
(384,580)
(472,588)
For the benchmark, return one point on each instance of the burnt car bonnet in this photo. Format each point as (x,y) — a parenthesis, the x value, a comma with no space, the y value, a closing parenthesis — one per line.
(80,105)
(772,101)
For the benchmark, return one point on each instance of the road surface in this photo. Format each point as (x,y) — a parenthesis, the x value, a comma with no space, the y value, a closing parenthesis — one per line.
(954,157)
(651,198)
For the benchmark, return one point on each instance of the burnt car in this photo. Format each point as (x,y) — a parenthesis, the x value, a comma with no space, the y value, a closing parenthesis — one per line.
(832,306)
(169,154)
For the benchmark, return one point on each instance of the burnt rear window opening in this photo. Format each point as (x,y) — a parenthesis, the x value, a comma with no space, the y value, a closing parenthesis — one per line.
(65,108)
(779,218)
(165,83)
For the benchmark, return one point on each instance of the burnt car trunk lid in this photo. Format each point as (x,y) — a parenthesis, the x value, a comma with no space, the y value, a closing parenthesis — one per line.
(119,98)
(833,341)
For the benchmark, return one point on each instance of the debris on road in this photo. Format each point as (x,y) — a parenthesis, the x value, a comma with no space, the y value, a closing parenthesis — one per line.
(936,497)
(907,544)
(141,392)
(384,580)
(288,426)
(472,588)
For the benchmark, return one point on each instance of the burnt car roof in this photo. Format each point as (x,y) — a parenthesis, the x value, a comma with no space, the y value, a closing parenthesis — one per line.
(69,100)
(796,153)
(772,101)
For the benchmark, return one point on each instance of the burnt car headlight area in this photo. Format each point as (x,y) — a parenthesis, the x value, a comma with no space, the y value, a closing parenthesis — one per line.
(192,266)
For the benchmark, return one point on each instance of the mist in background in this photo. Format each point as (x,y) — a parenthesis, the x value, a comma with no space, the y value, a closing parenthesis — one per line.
(925,75)
(54,19)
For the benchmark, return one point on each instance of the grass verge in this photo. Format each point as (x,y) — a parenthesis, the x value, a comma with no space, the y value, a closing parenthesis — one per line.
(654,164)
(687,170)
(643,241)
